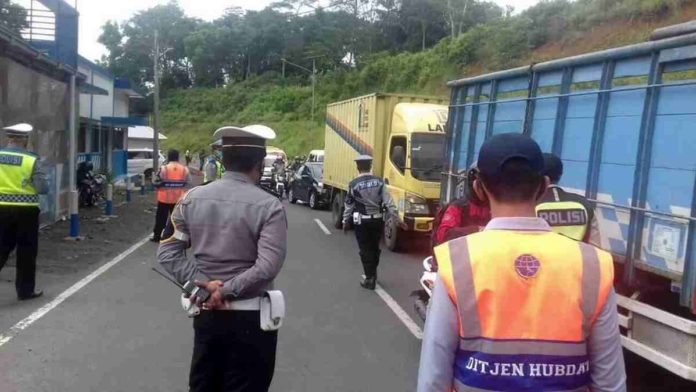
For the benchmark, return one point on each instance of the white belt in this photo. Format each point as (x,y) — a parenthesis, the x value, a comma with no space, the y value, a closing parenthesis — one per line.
(244,304)
(375,216)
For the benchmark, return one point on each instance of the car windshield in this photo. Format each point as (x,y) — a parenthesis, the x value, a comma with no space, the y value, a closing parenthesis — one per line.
(317,171)
(427,155)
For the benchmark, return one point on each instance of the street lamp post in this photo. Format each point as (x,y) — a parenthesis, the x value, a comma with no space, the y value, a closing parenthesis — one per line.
(155,121)
(313,75)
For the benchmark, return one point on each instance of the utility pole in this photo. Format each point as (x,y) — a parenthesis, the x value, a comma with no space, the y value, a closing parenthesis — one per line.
(314,86)
(155,120)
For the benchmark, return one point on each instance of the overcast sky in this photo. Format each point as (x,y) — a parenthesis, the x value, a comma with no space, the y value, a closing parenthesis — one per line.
(94,13)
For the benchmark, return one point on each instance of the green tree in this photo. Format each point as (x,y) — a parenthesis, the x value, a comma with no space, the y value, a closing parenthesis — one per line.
(12,16)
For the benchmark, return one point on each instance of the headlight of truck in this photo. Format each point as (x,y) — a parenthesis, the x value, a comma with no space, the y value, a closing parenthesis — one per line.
(414,204)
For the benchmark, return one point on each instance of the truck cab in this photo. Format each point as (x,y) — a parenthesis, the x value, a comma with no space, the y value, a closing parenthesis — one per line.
(413,166)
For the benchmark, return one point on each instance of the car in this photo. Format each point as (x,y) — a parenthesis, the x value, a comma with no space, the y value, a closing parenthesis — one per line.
(140,162)
(316,156)
(308,186)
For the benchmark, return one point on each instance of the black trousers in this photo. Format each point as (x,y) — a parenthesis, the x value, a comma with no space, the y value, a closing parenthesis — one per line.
(231,353)
(19,228)
(163,212)
(368,234)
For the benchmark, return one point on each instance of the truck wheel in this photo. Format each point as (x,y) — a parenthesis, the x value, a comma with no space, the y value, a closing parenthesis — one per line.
(291,196)
(392,235)
(337,211)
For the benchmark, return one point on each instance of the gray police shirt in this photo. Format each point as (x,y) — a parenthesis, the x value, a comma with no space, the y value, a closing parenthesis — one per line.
(237,233)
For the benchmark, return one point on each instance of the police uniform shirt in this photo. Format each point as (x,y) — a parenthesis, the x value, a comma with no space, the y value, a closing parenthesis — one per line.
(366,196)
(573,217)
(38,176)
(237,234)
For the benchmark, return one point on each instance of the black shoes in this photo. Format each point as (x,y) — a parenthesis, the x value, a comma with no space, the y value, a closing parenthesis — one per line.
(153,239)
(35,294)
(368,283)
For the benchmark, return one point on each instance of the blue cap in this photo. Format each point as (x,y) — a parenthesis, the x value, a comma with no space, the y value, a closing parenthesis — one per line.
(500,149)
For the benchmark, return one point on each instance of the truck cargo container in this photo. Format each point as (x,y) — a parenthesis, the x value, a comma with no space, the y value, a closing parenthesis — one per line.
(405,136)
(623,121)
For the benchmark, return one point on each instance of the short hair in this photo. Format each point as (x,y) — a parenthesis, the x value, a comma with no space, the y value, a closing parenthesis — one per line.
(172,155)
(242,159)
(553,167)
(517,182)
(364,166)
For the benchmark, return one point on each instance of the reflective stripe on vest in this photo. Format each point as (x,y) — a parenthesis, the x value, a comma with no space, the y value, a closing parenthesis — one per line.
(569,218)
(16,189)
(523,326)
(173,180)
(220,169)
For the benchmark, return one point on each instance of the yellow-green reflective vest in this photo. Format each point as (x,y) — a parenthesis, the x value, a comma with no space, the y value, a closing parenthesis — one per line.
(569,218)
(220,169)
(16,188)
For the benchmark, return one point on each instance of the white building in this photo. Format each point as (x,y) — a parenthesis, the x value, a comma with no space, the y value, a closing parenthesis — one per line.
(104,118)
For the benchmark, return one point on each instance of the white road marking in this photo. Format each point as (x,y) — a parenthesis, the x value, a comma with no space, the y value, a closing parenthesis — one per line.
(32,318)
(322,227)
(400,312)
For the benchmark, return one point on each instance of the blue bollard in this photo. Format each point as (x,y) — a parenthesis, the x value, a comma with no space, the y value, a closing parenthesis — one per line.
(109,209)
(128,190)
(74,216)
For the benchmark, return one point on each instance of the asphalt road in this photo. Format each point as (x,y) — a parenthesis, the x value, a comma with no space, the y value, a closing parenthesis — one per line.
(124,332)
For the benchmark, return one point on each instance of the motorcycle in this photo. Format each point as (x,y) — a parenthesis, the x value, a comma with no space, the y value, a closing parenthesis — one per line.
(280,180)
(427,281)
(90,186)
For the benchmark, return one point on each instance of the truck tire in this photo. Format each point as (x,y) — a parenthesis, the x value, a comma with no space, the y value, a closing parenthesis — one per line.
(393,235)
(337,210)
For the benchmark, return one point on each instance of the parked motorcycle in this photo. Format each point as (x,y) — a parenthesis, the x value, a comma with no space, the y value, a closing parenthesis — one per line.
(90,186)
(427,281)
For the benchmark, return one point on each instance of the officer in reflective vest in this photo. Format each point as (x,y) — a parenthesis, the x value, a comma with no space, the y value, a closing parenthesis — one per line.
(366,205)
(171,182)
(213,169)
(21,182)
(518,307)
(567,213)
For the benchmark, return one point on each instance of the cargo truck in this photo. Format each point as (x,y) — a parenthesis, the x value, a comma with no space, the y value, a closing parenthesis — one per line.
(623,121)
(405,136)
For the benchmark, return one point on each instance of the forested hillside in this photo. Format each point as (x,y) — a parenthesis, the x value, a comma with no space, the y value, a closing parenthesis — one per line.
(230,71)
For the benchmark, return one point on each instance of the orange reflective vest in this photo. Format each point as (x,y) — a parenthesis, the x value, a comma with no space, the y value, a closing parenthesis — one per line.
(526,303)
(172,183)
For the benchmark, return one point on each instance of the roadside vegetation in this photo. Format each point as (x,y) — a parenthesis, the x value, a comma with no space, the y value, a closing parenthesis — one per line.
(230,71)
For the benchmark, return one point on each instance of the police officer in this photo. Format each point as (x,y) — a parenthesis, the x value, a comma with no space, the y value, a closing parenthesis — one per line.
(171,182)
(21,182)
(568,213)
(237,235)
(213,169)
(366,203)
(517,306)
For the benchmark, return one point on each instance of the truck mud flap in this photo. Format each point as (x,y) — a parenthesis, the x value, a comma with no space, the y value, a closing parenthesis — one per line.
(663,338)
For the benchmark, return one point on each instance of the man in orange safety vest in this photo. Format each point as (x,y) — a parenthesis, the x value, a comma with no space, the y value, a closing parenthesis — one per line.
(518,307)
(171,182)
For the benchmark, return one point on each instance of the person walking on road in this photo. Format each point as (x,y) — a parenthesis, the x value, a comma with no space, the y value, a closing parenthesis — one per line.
(21,182)
(187,157)
(237,234)
(366,204)
(568,213)
(171,182)
(517,306)
(213,169)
